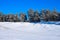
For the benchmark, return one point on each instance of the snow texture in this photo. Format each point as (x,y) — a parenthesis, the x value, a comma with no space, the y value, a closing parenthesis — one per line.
(29,31)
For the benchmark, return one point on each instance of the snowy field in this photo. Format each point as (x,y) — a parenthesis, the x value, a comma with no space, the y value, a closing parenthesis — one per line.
(29,31)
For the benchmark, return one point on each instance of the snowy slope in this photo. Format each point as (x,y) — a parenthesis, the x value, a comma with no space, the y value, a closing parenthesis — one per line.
(29,31)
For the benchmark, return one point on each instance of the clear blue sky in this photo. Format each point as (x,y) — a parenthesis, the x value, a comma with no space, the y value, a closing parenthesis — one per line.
(13,6)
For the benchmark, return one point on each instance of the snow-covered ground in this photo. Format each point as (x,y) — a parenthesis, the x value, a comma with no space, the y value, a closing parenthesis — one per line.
(29,31)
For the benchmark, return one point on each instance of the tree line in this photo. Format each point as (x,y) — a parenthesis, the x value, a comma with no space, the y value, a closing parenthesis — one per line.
(32,16)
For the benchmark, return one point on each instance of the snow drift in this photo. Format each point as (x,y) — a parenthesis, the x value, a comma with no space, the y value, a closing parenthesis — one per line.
(29,31)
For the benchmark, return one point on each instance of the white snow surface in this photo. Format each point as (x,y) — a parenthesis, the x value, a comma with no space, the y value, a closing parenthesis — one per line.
(29,31)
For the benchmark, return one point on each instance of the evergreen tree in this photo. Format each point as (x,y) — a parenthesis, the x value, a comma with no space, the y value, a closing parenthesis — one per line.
(31,15)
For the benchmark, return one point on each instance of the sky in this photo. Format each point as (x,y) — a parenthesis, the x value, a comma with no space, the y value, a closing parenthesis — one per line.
(17,6)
